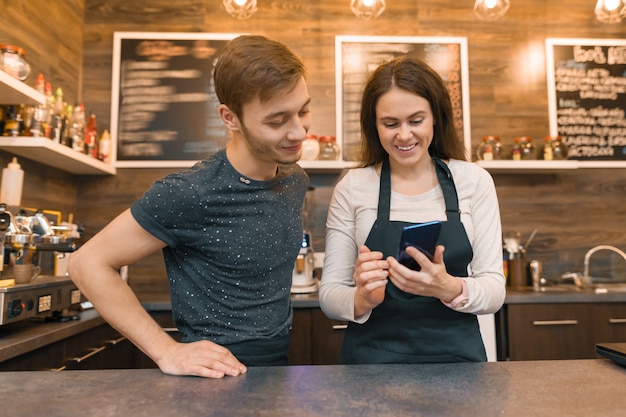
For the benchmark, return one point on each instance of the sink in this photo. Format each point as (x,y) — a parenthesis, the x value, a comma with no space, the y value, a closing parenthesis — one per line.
(552,288)
(606,287)
(559,288)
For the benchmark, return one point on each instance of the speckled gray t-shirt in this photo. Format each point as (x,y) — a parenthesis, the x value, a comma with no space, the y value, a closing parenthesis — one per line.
(232,243)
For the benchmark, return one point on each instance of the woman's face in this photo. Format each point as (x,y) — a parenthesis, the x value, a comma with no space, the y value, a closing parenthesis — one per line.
(405,123)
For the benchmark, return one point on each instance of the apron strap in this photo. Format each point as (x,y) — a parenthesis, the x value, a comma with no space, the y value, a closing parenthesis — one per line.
(384,197)
(449,190)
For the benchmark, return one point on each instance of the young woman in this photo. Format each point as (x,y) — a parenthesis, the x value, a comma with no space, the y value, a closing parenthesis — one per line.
(414,172)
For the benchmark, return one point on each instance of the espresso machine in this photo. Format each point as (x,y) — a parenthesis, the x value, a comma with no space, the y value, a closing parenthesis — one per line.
(303,277)
(30,238)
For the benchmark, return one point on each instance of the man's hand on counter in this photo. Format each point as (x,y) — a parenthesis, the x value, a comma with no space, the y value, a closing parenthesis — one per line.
(202,358)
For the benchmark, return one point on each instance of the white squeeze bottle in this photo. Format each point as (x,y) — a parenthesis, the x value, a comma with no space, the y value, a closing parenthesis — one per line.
(12,180)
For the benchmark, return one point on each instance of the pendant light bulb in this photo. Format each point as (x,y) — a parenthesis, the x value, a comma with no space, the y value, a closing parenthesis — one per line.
(240,9)
(491,9)
(610,11)
(367,9)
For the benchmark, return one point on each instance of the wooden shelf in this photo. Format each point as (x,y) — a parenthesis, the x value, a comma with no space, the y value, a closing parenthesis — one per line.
(326,166)
(14,91)
(47,152)
(601,164)
(536,166)
(546,166)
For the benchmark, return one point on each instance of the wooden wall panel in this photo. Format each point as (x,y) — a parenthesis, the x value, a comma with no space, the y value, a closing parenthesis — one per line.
(573,210)
(51,33)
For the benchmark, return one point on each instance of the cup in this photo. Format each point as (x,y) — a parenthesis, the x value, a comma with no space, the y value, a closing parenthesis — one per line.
(517,270)
(25,273)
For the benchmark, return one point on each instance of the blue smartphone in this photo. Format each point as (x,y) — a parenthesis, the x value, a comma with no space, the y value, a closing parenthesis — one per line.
(423,236)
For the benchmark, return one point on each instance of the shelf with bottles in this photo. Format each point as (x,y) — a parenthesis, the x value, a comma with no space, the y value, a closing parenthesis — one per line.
(492,156)
(48,152)
(40,149)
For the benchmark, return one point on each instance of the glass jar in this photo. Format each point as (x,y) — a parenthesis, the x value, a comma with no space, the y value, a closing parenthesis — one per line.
(12,121)
(523,149)
(490,149)
(329,150)
(310,148)
(554,148)
(12,61)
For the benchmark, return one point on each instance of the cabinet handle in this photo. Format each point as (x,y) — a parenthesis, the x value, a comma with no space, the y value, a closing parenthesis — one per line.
(617,321)
(340,326)
(116,341)
(553,322)
(170,329)
(94,351)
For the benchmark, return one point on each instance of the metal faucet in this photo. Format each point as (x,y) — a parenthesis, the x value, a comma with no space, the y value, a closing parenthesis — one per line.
(594,250)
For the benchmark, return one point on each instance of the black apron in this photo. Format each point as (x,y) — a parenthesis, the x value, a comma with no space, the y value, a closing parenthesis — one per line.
(407,328)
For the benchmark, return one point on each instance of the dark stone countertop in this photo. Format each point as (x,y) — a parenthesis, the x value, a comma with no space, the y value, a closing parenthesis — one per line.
(528,296)
(542,388)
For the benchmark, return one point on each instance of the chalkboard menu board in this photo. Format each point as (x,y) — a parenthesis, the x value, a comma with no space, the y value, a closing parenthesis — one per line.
(587,96)
(163,106)
(357,56)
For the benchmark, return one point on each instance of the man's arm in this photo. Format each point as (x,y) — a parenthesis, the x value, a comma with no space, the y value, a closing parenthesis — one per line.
(94,268)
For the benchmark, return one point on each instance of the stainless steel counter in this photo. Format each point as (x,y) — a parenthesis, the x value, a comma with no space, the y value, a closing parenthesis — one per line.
(547,388)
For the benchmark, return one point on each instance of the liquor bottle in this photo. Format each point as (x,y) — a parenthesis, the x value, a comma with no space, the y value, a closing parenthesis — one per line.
(91,136)
(67,133)
(104,146)
(49,110)
(58,118)
(40,112)
(78,128)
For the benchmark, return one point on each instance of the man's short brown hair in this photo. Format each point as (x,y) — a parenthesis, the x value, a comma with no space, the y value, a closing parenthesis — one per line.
(255,66)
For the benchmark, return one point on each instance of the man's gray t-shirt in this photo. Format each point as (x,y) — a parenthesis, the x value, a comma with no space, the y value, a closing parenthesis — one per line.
(232,242)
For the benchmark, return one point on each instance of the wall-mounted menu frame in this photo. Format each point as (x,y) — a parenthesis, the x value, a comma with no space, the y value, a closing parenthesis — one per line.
(357,56)
(587,96)
(163,105)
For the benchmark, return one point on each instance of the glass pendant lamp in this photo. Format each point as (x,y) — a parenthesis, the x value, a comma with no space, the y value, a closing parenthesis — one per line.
(240,9)
(491,9)
(610,11)
(367,9)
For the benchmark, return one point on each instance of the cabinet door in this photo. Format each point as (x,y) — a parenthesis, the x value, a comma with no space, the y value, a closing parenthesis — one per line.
(119,352)
(327,338)
(610,322)
(300,345)
(550,331)
(84,350)
(51,357)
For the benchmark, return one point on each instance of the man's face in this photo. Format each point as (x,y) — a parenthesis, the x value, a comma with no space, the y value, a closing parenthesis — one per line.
(274,130)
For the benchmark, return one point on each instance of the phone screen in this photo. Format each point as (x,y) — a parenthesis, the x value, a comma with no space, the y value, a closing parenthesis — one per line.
(423,236)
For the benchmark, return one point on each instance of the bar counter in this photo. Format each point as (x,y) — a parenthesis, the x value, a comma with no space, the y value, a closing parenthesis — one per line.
(541,388)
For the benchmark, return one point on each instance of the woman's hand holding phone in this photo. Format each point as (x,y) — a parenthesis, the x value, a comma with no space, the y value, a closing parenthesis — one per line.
(370,276)
(432,280)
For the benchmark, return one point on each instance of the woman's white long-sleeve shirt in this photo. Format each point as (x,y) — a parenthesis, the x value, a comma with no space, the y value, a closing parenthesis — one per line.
(351,215)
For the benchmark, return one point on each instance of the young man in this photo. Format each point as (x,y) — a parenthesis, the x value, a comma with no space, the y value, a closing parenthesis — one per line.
(230,228)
